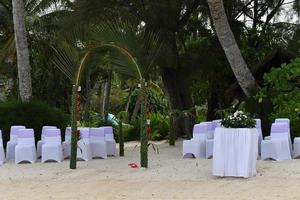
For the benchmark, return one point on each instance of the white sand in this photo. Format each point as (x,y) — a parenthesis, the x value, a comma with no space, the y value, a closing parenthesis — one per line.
(168,177)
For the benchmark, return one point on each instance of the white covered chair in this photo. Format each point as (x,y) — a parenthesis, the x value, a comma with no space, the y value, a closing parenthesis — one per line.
(216,123)
(25,148)
(84,151)
(296,147)
(13,140)
(110,141)
(98,143)
(42,141)
(52,146)
(277,148)
(260,136)
(286,120)
(67,143)
(197,145)
(210,141)
(2,156)
(209,148)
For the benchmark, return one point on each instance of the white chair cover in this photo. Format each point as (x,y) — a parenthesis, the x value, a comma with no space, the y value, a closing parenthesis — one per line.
(25,148)
(296,147)
(209,148)
(2,156)
(110,141)
(67,143)
(41,142)
(52,146)
(84,149)
(216,123)
(193,149)
(11,144)
(286,120)
(260,136)
(196,146)
(98,143)
(277,147)
(210,142)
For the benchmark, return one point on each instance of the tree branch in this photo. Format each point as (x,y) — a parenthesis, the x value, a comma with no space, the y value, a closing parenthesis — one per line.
(186,16)
(243,9)
(272,14)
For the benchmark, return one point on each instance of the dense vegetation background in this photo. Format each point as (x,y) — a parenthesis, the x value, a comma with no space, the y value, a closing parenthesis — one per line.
(177,51)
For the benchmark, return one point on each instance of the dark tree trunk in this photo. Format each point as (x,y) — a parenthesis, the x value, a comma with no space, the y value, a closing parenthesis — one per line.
(175,82)
(106,95)
(212,103)
(86,114)
(129,100)
(180,100)
(136,109)
(101,96)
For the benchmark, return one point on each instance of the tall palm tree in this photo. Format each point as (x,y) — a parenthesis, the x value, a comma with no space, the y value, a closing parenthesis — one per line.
(24,69)
(41,26)
(230,47)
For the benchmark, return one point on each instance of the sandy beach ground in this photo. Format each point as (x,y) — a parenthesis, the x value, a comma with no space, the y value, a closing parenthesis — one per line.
(168,177)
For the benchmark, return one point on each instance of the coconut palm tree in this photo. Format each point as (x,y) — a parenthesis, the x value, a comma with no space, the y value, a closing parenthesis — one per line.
(24,76)
(14,39)
(230,47)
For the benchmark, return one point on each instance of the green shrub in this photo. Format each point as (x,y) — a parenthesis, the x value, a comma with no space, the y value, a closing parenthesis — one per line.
(133,131)
(261,110)
(124,116)
(160,126)
(201,112)
(282,88)
(156,102)
(129,133)
(34,114)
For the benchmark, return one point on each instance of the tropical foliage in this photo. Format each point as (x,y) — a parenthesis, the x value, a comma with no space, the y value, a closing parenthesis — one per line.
(282,88)
(170,49)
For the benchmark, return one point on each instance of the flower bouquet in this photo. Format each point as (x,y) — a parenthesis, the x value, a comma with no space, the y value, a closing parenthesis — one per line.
(239,119)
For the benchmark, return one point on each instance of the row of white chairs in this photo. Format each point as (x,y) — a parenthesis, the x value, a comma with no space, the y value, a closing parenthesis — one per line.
(277,146)
(93,142)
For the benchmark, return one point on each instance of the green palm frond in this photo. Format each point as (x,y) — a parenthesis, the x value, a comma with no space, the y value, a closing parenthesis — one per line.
(66,59)
(130,51)
(143,46)
(36,7)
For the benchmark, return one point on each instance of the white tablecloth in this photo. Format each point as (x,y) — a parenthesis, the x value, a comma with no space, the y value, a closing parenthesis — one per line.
(235,152)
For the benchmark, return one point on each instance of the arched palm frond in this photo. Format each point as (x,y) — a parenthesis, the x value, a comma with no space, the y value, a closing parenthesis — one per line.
(72,61)
(143,46)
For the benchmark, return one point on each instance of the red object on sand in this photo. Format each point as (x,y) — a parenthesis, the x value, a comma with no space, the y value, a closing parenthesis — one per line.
(133,165)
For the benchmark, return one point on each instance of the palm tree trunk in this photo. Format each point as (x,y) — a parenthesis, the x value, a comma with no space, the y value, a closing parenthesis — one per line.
(87,105)
(231,49)
(106,95)
(136,108)
(129,100)
(24,76)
